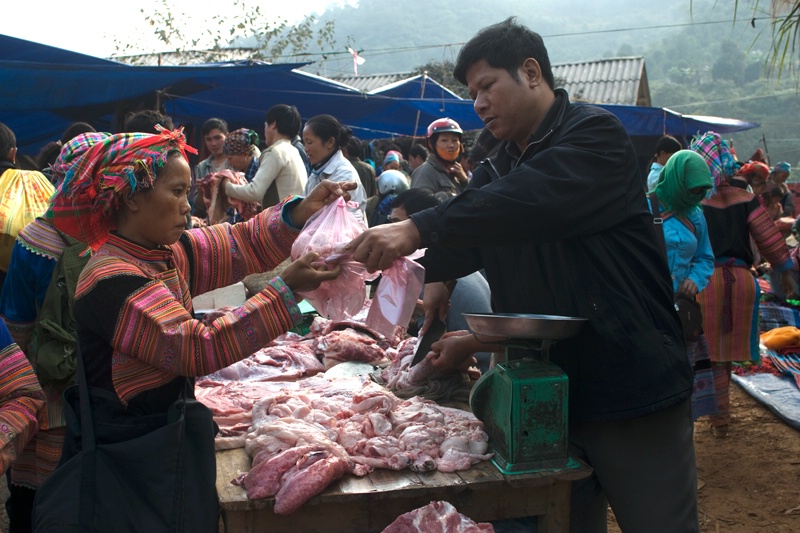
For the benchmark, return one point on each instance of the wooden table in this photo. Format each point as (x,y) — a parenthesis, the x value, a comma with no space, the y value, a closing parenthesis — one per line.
(371,503)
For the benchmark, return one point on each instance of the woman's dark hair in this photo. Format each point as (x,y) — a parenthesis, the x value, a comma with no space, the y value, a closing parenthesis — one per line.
(48,155)
(286,119)
(414,201)
(7,141)
(214,124)
(504,45)
(326,126)
(75,129)
(668,144)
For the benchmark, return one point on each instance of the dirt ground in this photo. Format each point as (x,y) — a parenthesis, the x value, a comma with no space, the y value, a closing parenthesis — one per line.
(749,482)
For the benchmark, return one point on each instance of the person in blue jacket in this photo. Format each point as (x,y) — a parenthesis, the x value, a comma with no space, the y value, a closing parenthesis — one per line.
(683,183)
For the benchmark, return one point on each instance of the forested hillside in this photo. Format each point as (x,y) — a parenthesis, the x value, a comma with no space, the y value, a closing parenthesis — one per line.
(698,60)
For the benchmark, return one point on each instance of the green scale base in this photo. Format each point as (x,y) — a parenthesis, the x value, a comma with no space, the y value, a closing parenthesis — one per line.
(523,406)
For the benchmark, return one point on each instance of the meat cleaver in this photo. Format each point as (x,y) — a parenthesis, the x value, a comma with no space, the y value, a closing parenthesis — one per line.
(434,333)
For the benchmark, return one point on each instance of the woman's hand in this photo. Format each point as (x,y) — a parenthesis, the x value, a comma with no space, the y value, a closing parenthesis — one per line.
(323,194)
(457,171)
(307,273)
(688,288)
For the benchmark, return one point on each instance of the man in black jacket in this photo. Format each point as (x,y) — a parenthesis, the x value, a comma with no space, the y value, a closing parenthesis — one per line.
(557,218)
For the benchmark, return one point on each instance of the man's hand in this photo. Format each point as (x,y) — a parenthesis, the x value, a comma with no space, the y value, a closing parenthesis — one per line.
(323,194)
(378,247)
(454,351)
(436,303)
(303,275)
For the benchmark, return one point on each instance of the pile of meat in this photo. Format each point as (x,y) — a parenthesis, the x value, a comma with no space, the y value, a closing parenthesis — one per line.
(303,430)
(436,517)
(310,435)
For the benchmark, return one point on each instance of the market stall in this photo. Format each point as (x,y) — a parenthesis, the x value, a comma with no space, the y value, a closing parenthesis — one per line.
(372,502)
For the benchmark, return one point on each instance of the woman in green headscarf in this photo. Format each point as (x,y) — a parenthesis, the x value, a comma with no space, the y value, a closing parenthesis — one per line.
(682,185)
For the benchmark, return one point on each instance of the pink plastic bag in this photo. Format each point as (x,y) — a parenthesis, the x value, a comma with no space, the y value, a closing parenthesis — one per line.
(326,233)
(397,294)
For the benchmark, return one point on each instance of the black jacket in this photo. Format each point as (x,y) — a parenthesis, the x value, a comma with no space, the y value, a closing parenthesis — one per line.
(564,229)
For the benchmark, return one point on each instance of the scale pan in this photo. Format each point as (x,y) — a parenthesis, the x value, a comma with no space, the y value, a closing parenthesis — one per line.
(524,326)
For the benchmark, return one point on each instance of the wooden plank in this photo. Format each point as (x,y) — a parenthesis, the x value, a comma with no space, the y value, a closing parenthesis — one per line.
(435,479)
(348,488)
(388,483)
(229,464)
(481,476)
(374,514)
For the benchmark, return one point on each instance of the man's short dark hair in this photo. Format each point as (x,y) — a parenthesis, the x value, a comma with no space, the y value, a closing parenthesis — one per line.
(214,124)
(286,119)
(414,201)
(354,149)
(504,45)
(417,150)
(145,121)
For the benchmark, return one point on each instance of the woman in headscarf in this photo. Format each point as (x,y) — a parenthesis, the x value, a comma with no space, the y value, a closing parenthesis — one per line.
(730,301)
(33,259)
(126,197)
(682,184)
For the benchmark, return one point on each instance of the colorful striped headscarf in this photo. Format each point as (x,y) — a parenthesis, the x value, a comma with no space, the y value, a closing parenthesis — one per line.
(718,156)
(75,148)
(240,142)
(114,168)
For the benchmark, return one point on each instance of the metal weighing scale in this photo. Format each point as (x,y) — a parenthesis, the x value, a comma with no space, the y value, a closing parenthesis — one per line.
(522,402)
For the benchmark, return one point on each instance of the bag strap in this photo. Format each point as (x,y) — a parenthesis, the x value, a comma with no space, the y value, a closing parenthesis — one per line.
(658,220)
(88,476)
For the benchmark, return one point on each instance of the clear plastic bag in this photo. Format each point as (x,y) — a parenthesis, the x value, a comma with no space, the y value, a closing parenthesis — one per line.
(397,294)
(326,233)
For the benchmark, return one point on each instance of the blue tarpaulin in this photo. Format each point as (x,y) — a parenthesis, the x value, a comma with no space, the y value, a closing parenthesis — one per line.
(43,89)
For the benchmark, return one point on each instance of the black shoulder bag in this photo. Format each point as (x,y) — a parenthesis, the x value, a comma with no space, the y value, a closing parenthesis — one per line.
(688,309)
(153,473)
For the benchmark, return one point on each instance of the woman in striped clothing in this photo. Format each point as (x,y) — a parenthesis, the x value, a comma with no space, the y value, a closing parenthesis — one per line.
(21,400)
(735,217)
(126,197)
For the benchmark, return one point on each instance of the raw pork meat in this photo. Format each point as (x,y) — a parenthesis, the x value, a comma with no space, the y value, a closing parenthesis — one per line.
(436,517)
(303,439)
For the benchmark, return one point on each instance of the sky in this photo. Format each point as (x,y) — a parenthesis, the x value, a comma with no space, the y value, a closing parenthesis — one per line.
(92,26)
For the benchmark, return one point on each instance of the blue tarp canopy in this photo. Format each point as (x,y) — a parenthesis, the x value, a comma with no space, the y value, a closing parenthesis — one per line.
(44,89)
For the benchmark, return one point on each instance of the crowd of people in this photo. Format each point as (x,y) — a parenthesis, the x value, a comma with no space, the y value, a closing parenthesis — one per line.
(549,213)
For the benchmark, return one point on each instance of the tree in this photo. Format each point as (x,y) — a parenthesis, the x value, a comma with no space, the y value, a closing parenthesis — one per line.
(273,38)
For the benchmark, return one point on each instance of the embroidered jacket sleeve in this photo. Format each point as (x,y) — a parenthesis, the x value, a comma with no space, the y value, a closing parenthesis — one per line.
(768,239)
(148,327)
(21,400)
(222,254)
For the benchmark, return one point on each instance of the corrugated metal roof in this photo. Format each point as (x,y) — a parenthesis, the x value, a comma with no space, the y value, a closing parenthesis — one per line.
(370,83)
(620,80)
